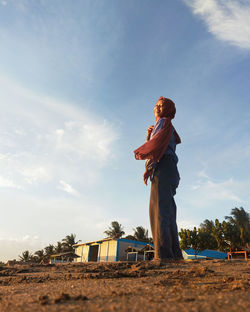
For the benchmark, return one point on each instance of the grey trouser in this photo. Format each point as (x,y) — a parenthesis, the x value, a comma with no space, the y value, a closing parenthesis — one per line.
(162,210)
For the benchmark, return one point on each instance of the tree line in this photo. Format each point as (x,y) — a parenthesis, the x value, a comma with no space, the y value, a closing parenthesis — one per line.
(43,255)
(233,233)
(66,244)
(116,231)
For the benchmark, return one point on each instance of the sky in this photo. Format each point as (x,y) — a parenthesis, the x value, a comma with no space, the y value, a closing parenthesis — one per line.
(79,80)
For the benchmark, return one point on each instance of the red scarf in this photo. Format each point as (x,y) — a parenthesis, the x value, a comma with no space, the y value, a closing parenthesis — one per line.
(156,147)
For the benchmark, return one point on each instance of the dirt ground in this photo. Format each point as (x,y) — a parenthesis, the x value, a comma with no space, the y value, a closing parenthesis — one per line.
(204,285)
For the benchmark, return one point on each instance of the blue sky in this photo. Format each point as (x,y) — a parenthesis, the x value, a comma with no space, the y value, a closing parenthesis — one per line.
(78,84)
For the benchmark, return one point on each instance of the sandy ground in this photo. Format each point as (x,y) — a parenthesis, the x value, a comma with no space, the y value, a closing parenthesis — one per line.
(215,285)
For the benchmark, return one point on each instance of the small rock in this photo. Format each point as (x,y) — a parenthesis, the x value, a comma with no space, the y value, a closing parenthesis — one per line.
(62,297)
(81,297)
(189,299)
(43,300)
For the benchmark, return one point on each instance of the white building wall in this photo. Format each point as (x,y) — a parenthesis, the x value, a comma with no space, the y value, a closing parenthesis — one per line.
(112,248)
(83,252)
(103,251)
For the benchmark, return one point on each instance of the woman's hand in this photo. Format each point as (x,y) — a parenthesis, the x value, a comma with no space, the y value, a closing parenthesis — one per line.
(147,174)
(149,131)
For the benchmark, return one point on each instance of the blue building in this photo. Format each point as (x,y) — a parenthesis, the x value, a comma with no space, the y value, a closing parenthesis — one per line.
(205,254)
(108,249)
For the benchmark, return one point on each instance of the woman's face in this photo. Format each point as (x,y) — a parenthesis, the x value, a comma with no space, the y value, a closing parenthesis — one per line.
(159,110)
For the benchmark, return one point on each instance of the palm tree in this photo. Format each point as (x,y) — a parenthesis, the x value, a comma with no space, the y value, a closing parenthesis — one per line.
(239,217)
(26,256)
(49,250)
(141,234)
(207,225)
(219,235)
(59,247)
(39,255)
(241,220)
(68,242)
(115,230)
(131,237)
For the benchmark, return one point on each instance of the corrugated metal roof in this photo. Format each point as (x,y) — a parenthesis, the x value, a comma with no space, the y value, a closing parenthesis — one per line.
(97,241)
(65,254)
(110,239)
(215,254)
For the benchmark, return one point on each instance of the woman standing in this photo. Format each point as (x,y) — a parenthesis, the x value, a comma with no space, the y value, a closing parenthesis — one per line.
(161,168)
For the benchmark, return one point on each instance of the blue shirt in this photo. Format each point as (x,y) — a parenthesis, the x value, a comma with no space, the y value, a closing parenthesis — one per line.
(172,144)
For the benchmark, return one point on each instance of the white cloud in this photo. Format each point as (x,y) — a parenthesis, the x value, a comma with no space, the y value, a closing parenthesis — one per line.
(45,217)
(22,169)
(12,247)
(205,190)
(87,140)
(44,140)
(5,182)
(35,174)
(185,224)
(49,218)
(224,190)
(67,188)
(202,174)
(227,20)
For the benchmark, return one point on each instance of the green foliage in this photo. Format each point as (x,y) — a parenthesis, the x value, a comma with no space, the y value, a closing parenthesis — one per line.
(231,234)
(197,239)
(219,236)
(68,242)
(49,250)
(26,256)
(115,230)
(141,234)
(59,247)
(206,229)
(130,237)
(207,226)
(39,256)
(240,221)
(44,254)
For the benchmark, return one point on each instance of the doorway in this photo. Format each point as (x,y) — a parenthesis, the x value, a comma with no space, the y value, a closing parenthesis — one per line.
(93,252)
